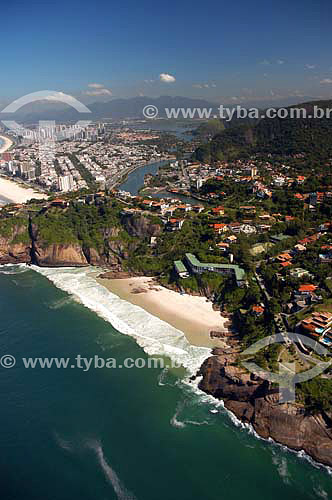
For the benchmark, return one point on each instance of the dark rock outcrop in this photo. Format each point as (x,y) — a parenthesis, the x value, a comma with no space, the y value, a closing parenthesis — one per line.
(254,402)
(58,255)
(140,226)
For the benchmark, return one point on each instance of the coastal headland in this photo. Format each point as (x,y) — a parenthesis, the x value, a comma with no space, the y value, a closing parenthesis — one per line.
(253,401)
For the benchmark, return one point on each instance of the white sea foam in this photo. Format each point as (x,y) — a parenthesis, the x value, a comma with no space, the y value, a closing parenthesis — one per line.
(321,493)
(155,336)
(63,443)
(177,423)
(58,304)
(13,268)
(219,404)
(120,490)
(282,467)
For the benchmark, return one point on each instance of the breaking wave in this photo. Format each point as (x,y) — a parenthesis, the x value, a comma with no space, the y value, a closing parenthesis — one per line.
(13,268)
(155,336)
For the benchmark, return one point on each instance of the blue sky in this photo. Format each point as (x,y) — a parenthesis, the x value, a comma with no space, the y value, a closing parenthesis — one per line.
(214,49)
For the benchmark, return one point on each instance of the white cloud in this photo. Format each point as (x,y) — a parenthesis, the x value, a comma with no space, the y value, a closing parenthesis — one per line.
(96,86)
(97,89)
(326,81)
(148,81)
(310,66)
(204,86)
(61,97)
(266,62)
(98,92)
(56,96)
(166,78)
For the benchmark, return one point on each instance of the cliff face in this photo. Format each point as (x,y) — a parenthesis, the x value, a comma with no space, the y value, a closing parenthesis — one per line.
(253,402)
(56,255)
(140,226)
(24,243)
(13,250)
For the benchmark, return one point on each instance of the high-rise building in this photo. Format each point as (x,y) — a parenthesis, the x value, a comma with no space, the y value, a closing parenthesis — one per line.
(66,183)
(199,183)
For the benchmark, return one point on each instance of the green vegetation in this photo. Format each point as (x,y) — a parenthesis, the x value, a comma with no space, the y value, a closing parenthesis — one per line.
(87,225)
(86,175)
(276,136)
(209,128)
(15,229)
(316,394)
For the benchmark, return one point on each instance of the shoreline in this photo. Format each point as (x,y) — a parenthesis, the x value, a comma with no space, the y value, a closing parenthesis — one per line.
(192,315)
(13,192)
(7,144)
(256,406)
(219,400)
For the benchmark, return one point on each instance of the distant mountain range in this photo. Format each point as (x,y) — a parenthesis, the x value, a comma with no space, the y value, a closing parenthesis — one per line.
(117,109)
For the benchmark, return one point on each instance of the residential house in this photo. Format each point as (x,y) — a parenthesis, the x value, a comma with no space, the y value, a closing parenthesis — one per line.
(220,228)
(174,224)
(218,211)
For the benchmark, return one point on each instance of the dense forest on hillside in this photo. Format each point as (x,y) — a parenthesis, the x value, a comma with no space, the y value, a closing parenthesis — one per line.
(290,135)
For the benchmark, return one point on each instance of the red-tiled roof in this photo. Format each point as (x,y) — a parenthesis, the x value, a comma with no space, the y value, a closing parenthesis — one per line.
(258,309)
(307,288)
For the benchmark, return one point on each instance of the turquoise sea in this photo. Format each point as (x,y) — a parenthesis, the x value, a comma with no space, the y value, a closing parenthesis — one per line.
(146,434)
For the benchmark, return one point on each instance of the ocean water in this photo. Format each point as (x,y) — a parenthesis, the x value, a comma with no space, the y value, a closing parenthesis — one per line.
(120,433)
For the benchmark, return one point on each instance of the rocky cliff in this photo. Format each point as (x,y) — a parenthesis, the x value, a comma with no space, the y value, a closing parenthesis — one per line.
(57,255)
(15,245)
(24,242)
(254,402)
(140,226)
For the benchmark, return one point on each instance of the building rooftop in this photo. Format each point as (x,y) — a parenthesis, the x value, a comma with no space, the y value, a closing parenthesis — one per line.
(239,272)
(179,266)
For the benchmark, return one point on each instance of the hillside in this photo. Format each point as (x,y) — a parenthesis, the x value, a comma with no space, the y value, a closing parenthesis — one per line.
(277,136)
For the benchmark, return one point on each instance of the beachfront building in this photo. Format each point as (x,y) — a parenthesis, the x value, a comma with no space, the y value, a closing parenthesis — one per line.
(180,269)
(226,269)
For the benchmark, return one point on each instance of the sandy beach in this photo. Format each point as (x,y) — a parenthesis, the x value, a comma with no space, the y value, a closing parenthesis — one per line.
(192,315)
(17,193)
(6,144)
